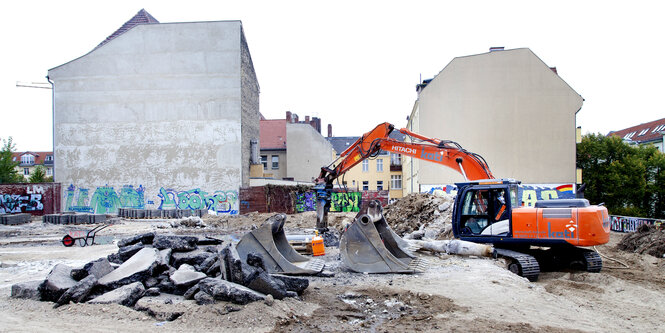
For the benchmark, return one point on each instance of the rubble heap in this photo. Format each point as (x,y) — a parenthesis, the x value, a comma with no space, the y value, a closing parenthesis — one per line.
(147,265)
(421,215)
(647,239)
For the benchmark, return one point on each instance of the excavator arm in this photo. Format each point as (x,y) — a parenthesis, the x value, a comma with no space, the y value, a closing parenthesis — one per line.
(448,153)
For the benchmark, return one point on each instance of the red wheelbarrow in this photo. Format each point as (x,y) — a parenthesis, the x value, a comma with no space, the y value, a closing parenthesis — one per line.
(82,237)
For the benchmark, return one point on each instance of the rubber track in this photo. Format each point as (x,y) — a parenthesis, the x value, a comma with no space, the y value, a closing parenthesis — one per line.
(529,266)
(594,263)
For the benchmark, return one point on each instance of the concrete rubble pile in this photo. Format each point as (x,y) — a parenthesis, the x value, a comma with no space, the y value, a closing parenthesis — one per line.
(148,267)
(421,216)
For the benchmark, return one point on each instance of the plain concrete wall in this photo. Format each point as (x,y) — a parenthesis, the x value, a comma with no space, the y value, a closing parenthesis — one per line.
(507,106)
(161,107)
(306,152)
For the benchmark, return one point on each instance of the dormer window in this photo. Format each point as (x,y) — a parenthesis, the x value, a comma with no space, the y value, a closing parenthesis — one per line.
(27,159)
(49,158)
(644,131)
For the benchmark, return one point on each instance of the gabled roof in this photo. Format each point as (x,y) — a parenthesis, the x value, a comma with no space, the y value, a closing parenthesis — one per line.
(40,156)
(142,17)
(340,143)
(273,133)
(646,132)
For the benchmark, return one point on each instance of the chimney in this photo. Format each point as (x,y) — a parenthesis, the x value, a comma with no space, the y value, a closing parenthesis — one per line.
(554,70)
(307,119)
(330,131)
(288,116)
(496,48)
(295,118)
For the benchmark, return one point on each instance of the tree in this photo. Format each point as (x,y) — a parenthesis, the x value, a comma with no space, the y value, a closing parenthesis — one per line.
(629,179)
(8,172)
(38,175)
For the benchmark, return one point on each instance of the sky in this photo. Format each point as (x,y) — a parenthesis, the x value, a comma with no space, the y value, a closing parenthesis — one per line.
(355,64)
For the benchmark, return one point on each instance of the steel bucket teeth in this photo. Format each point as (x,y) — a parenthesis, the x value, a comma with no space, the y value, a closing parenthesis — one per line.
(270,242)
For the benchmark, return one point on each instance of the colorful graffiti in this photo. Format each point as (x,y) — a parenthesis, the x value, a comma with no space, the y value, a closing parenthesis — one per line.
(631,224)
(305,202)
(17,203)
(104,200)
(529,193)
(219,201)
(346,202)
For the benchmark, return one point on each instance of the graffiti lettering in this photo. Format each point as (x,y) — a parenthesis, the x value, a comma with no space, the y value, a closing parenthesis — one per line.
(305,202)
(219,201)
(105,200)
(346,202)
(631,224)
(16,203)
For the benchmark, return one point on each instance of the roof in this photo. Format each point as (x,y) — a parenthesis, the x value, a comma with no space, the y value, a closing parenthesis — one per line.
(340,143)
(646,132)
(273,133)
(142,17)
(40,156)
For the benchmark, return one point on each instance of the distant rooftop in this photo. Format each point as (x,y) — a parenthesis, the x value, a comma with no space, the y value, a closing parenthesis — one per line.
(651,131)
(340,143)
(142,17)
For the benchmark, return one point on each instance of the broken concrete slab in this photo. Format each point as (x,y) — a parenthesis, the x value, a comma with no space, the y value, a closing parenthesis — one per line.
(202,298)
(186,276)
(154,291)
(292,283)
(142,238)
(175,243)
(98,268)
(166,256)
(193,258)
(126,295)
(189,294)
(206,264)
(214,270)
(228,291)
(233,268)
(27,290)
(78,292)
(56,283)
(128,251)
(137,268)
(265,284)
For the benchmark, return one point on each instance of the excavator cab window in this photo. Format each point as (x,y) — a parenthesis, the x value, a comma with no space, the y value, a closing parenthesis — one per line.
(487,211)
(474,211)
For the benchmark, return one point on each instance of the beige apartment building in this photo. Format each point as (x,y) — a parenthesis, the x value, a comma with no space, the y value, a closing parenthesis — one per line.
(506,105)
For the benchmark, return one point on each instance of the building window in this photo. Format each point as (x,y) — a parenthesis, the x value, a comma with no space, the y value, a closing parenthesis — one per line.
(379,165)
(264,161)
(26,171)
(379,185)
(395,159)
(365,185)
(49,158)
(275,162)
(49,172)
(27,159)
(396,182)
(366,166)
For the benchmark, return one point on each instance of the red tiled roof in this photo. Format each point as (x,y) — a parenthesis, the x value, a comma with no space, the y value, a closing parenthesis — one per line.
(646,132)
(40,156)
(273,133)
(142,17)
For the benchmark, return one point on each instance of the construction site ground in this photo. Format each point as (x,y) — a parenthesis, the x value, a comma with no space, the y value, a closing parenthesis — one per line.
(457,294)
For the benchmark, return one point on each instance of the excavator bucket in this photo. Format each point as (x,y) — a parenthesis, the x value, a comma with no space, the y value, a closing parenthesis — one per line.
(270,242)
(369,246)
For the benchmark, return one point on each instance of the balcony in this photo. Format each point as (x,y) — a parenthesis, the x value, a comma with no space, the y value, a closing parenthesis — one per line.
(395,167)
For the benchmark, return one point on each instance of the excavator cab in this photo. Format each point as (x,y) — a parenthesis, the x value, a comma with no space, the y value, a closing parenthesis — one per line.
(483,209)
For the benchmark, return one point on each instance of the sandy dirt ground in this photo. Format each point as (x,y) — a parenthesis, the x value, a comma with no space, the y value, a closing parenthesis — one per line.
(455,294)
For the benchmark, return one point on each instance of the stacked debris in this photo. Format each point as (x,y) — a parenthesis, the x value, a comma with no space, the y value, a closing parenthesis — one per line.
(421,215)
(205,270)
(647,239)
(13,219)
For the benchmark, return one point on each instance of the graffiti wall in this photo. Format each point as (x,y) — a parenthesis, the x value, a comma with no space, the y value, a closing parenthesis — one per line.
(631,224)
(340,201)
(36,199)
(529,193)
(218,201)
(108,199)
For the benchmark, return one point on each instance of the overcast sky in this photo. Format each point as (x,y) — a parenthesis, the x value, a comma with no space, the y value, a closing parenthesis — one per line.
(355,64)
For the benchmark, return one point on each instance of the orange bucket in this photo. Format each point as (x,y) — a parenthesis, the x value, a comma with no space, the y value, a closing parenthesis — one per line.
(317,245)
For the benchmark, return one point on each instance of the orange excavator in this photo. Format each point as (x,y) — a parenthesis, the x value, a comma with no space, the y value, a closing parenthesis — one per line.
(551,235)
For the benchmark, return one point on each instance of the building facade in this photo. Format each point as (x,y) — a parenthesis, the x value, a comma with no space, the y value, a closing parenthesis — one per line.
(384,172)
(159,115)
(293,150)
(506,105)
(29,160)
